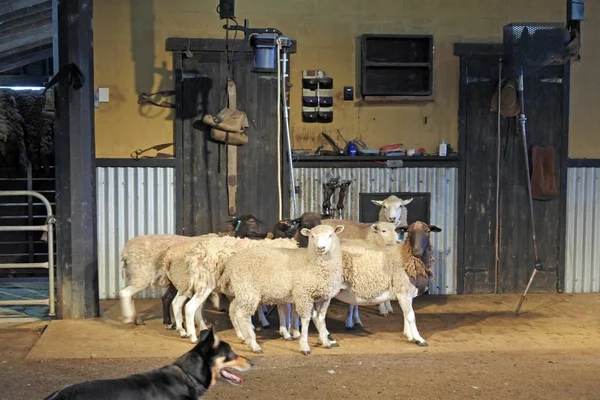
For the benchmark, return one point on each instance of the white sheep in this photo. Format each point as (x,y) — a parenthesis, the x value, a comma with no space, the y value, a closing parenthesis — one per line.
(393,209)
(194,268)
(379,234)
(372,274)
(304,277)
(142,258)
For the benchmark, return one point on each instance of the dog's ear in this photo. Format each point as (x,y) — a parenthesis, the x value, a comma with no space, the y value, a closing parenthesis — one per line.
(207,340)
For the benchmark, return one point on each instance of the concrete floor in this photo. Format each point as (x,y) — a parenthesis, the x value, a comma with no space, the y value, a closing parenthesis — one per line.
(477,349)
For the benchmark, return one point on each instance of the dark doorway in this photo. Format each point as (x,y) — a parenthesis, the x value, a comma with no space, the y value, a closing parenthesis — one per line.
(417,210)
(545,105)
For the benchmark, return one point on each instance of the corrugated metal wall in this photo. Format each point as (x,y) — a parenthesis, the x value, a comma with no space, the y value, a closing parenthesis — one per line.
(440,182)
(582,269)
(131,202)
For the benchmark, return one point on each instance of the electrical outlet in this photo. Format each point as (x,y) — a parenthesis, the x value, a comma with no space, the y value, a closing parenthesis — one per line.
(348,93)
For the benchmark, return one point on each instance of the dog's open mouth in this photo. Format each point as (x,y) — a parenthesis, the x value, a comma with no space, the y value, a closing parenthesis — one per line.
(231,378)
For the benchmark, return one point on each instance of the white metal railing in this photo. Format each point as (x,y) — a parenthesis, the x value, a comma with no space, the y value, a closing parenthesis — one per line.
(49,265)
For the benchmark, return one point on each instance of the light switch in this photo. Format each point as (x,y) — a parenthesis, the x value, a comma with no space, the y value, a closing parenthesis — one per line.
(103,95)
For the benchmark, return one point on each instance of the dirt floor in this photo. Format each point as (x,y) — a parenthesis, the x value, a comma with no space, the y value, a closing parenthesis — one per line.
(477,350)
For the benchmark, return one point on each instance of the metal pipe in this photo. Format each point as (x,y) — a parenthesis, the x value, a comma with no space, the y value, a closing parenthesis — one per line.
(522,121)
(52,311)
(24,265)
(287,131)
(14,228)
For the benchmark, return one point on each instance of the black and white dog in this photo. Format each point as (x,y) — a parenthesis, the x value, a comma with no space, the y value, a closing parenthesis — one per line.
(187,378)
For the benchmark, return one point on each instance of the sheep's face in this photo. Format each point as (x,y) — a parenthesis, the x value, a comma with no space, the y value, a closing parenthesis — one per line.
(385,233)
(322,237)
(391,208)
(417,234)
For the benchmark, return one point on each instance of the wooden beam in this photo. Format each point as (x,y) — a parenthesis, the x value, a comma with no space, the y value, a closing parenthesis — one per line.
(23,80)
(77,258)
(24,59)
(175,44)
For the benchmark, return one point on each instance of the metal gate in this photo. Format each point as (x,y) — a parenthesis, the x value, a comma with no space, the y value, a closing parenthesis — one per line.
(49,265)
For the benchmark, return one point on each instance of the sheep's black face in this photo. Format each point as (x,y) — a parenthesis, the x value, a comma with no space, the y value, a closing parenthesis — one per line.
(417,234)
(248,226)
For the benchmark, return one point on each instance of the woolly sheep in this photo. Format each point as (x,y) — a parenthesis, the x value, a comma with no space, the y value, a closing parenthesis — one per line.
(306,278)
(195,268)
(393,209)
(142,257)
(380,234)
(393,272)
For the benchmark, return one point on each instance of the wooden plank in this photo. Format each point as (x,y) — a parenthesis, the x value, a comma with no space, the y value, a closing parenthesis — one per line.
(210,45)
(77,260)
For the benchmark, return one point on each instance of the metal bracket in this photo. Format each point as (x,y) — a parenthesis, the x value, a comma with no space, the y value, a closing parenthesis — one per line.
(552,80)
(477,80)
(394,163)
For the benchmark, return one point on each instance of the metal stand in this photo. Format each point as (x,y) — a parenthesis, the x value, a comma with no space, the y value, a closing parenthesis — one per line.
(522,119)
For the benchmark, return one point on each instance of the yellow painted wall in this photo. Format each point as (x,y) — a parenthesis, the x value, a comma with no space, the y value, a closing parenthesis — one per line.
(129,40)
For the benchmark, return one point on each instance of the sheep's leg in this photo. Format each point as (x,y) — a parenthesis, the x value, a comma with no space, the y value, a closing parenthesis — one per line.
(235,322)
(167,299)
(388,306)
(356,317)
(127,306)
(282,310)
(405,300)
(382,310)
(215,299)
(295,322)
(305,311)
(177,312)
(261,316)
(321,309)
(195,304)
(348,322)
(244,321)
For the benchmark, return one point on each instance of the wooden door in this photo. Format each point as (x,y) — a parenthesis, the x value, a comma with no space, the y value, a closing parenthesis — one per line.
(204,161)
(544,103)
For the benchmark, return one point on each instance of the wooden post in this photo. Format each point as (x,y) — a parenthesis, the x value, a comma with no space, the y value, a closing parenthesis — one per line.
(77,258)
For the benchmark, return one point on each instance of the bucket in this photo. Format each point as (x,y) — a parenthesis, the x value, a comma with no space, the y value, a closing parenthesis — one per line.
(265,52)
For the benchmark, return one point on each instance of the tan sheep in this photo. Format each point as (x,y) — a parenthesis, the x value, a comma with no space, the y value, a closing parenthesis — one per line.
(392,209)
(305,277)
(195,268)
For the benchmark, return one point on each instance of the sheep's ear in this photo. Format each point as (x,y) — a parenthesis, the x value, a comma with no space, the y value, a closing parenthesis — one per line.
(405,202)
(377,202)
(374,227)
(339,229)
(434,228)
(401,229)
(306,232)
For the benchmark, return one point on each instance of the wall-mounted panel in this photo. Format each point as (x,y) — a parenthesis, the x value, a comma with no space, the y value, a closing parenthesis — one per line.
(582,264)
(131,202)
